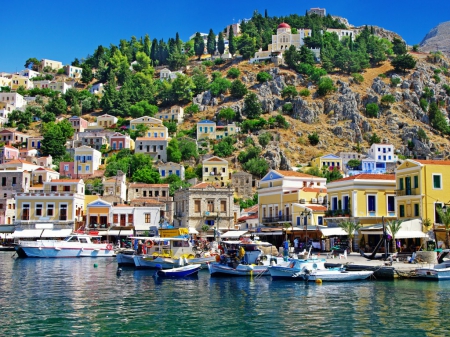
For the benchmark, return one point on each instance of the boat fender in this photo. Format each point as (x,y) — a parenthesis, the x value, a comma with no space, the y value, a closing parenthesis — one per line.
(109,246)
(119,271)
(318,281)
(314,265)
(149,243)
(217,258)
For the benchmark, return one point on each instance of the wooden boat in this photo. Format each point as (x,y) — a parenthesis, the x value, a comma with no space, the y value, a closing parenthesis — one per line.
(75,245)
(180,272)
(436,272)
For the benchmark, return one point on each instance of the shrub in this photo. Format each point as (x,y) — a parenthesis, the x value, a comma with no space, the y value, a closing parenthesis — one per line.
(325,86)
(263,77)
(374,139)
(388,99)
(313,138)
(415,48)
(372,110)
(287,108)
(446,88)
(358,78)
(437,79)
(249,141)
(304,93)
(192,109)
(289,92)
(207,63)
(437,71)
(238,89)
(395,81)
(423,104)
(233,73)
(219,61)
(382,76)
(264,139)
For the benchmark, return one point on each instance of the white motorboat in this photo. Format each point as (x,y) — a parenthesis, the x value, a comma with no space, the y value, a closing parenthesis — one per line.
(243,259)
(436,272)
(314,269)
(75,245)
(169,253)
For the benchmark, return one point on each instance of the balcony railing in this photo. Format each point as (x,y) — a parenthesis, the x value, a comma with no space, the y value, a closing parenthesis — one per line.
(279,218)
(408,191)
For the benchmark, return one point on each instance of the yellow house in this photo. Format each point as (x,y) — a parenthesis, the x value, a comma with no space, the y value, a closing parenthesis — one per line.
(106,121)
(422,188)
(98,215)
(61,201)
(284,195)
(330,160)
(215,170)
(20,81)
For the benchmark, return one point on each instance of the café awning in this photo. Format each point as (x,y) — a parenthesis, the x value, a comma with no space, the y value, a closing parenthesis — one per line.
(333,231)
(56,233)
(409,229)
(125,232)
(233,234)
(27,233)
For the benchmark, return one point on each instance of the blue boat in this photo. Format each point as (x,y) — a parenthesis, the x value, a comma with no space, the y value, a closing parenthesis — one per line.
(180,272)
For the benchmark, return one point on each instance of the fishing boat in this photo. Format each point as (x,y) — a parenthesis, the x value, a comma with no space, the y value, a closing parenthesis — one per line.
(243,259)
(75,245)
(296,266)
(180,272)
(436,272)
(170,253)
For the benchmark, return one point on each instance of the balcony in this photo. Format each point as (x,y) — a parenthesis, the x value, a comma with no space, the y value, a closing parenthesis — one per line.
(408,191)
(280,218)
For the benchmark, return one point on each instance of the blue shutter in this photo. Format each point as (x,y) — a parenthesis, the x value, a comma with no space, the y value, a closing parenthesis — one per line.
(163,173)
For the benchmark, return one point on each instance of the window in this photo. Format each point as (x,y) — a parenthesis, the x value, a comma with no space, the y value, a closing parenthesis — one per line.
(63,212)
(402,211)
(223,205)
(437,181)
(38,209)
(210,205)
(87,168)
(416,181)
(3,181)
(345,203)
(66,167)
(320,220)
(416,210)
(130,218)
(147,217)
(400,185)
(391,203)
(79,168)
(197,208)
(163,193)
(54,188)
(66,188)
(437,217)
(334,203)
(14,181)
(26,212)
(371,203)
(50,209)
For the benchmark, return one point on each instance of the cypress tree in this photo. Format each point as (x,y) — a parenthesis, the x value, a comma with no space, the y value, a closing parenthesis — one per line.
(154,51)
(147,45)
(211,42)
(221,44)
(231,43)
(199,45)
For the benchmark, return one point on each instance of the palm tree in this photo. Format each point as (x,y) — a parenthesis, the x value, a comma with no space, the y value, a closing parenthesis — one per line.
(286,226)
(444,214)
(205,228)
(350,227)
(394,226)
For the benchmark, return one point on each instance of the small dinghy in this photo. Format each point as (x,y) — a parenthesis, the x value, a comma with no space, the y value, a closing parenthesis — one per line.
(180,272)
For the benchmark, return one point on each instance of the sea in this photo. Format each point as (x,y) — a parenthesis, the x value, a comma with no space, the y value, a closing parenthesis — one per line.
(85,297)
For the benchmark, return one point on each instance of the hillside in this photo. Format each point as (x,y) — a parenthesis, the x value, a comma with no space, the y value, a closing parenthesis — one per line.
(437,39)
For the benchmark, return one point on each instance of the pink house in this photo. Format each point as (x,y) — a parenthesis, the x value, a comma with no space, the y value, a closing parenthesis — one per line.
(78,124)
(119,141)
(67,169)
(8,153)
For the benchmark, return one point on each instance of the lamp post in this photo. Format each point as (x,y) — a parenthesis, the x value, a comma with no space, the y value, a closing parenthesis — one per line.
(304,214)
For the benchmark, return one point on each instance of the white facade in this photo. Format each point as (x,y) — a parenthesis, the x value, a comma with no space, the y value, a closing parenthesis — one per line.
(175,113)
(96,89)
(55,65)
(62,87)
(12,98)
(29,73)
(74,72)
(166,169)
(166,74)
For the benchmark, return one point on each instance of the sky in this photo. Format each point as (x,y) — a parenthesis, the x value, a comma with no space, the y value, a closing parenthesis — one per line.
(63,30)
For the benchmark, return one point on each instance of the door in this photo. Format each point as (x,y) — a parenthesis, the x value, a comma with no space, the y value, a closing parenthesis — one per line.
(408,185)
(123,219)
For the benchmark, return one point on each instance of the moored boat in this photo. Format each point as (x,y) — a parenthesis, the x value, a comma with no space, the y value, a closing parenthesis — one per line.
(436,272)
(180,272)
(75,245)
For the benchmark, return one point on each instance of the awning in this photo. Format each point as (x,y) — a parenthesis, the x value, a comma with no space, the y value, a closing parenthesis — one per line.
(192,230)
(409,229)
(410,234)
(27,233)
(125,232)
(7,228)
(233,234)
(333,231)
(6,236)
(267,233)
(56,233)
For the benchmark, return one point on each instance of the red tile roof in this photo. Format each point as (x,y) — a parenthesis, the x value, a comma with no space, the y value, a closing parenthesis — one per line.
(134,185)
(248,217)
(367,176)
(433,162)
(151,138)
(315,189)
(65,180)
(250,209)
(316,208)
(295,174)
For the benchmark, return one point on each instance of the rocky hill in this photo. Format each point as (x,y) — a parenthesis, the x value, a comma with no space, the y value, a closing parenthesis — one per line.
(437,39)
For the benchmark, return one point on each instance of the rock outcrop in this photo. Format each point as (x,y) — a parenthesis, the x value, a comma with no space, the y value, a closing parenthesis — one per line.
(437,39)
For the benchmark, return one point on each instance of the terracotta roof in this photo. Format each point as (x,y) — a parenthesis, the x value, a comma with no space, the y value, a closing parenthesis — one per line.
(214,159)
(253,208)
(254,216)
(433,162)
(317,208)
(10,147)
(20,161)
(295,174)
(368,176)
(148,185)
(201,185)
(150,138)
(315,189)
(283,25)
(148,201)
(122,205)
(65,180)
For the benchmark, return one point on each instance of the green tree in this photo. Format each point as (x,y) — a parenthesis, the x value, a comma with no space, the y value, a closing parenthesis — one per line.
(325,86)
(33,62)
(192,109)
(86,73)
(388,99)
(374,139)
(182,88)
(256,166)
(403,62)
(171,126)
(246,46)
(238,89)
(173,151)
(350,227)
(292,57)
(354,164)
(289,92)
(48,117)
(211,42)
(57,106)
(221,44)
(231,43)
(228,114)
(200,79)
(176,60)
(313,138)
(264,139)
(252,106)
(372,110)
(188,149)
(199,45)
(175,183)
(143,108)
(281,122)
(399,47)
(225,148)
(263,77)
(219,86)
(306,55)
(146,175)
(233,73)
(54,141)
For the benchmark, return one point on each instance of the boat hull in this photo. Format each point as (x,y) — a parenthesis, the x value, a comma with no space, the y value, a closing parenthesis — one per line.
(339,275)
(433,274)
(63,252)
(181,272)
(125,260)
(218,269)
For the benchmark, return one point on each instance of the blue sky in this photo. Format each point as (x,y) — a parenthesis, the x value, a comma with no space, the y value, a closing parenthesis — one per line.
(63,30)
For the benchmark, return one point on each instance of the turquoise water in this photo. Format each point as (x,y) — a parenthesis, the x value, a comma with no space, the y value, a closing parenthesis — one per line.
(69,297)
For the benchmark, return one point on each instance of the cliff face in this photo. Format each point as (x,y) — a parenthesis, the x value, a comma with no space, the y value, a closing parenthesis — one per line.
(437,39)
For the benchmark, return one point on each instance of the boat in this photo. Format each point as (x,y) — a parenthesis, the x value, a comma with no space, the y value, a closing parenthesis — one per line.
(7,248)
(243,259)
(170,253)
(314,270)
(180,272)
(74,245)
(436,272)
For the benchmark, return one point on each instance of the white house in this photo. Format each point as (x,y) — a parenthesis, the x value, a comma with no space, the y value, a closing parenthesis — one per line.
(29,73)
(166,74)
(71,71)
